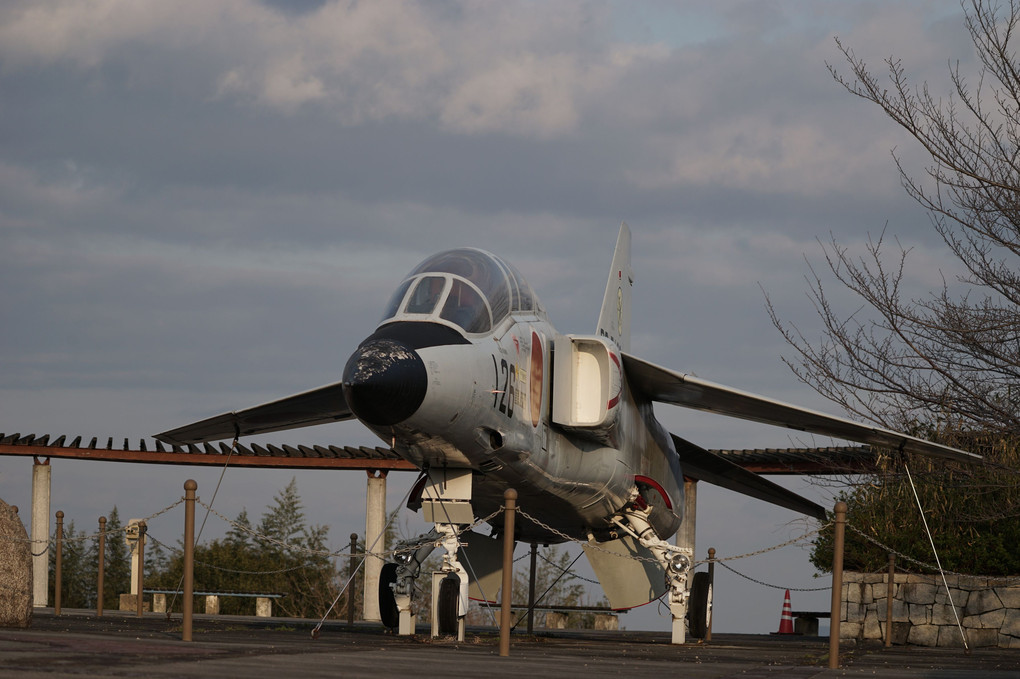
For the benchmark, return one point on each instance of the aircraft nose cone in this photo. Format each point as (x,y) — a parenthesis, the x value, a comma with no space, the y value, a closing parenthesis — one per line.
(384,382)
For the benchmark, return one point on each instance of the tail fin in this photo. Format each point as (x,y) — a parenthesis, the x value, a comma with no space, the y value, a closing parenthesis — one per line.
(614,321)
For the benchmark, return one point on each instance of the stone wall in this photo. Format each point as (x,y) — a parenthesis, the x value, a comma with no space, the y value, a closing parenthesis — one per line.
(988,608)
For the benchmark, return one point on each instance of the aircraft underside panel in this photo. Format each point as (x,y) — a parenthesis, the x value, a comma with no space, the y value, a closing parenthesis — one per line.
(626,580)
(484,556)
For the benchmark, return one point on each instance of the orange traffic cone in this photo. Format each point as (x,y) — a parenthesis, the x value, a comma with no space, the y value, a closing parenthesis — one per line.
(786,623)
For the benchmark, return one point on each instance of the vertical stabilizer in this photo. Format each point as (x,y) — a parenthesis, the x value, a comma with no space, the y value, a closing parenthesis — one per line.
(614,321)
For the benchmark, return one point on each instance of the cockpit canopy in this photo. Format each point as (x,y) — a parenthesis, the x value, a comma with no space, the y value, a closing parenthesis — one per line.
(470,288)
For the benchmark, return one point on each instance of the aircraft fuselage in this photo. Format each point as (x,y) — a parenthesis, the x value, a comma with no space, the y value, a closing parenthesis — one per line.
(485,407)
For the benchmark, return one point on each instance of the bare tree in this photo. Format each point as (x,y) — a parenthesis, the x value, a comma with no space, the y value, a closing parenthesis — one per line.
(949,361)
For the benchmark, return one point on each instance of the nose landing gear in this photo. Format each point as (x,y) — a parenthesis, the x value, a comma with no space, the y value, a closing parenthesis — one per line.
(449,585)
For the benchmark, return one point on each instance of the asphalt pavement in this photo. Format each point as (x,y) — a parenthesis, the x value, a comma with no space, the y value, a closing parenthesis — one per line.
(78,644)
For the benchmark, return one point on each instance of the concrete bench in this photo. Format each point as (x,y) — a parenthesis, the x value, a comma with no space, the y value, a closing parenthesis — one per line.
(806,622)
(556,616)
(263,600)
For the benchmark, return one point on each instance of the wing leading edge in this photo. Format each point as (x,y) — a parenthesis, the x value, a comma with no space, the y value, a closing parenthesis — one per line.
(676,388)
(700,464)
(318,406)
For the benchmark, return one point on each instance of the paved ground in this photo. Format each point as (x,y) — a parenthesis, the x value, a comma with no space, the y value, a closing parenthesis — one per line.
(78,644)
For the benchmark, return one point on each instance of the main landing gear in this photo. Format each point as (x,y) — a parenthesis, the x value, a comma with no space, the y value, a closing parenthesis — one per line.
(449,584)
(694,602)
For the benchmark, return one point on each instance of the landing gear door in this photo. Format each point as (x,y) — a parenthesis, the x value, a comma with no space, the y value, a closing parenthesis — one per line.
(446,497)
(485,556)
(627,581)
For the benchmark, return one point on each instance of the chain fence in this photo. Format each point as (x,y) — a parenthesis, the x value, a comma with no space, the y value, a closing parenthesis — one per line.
(396,552)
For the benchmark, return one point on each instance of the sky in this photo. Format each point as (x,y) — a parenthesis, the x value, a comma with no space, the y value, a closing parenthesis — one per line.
(204,206)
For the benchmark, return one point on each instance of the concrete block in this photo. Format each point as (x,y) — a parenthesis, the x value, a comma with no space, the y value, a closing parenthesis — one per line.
(949,636)
(923,635)
(129,602)
(900,632)
(919,593)
(873,629)
(212,605)
(989,620)
(1009,596)
(806,626)
(159,603)
(264,607)
(1011,623)
(982,601)
(979,638)
(607,621)
(942,614)
(554,620)
(960,597)
(849,630)
(16,591)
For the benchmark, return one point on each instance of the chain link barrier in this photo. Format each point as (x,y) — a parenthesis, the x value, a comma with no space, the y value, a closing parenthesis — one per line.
(779,587)
(298,549)
(67,539)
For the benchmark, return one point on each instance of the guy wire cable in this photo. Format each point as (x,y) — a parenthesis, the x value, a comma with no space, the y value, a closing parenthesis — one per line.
(233,447)
(937,561)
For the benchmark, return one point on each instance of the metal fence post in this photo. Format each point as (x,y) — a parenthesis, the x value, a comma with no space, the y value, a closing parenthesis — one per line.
(837,584)
(188,604)
(506,598)
(711,588)
(351,569)
(531,588)
(889,591)
(101,566)
(59,560)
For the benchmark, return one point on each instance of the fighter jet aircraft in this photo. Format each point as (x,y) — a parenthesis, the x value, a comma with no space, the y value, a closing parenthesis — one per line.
(467,379)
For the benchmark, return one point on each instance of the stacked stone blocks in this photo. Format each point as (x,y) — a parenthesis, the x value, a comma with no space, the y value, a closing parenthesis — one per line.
(988,609)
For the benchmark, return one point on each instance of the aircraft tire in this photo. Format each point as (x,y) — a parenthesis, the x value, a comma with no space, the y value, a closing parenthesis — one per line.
(699,605)
(446,606)
(387,601)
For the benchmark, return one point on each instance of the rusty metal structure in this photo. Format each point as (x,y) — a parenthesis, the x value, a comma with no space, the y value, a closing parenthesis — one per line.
(207,454)
(824,461)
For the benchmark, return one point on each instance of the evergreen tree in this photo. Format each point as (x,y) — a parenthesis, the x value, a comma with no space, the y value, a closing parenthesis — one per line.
(274,562)
(77,569)
(116,580)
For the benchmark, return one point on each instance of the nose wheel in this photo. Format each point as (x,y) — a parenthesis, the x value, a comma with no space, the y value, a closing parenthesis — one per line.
(446,606)
(388,610)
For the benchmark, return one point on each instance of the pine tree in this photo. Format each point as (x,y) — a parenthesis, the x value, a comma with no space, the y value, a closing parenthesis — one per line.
(77,569)
(116,580)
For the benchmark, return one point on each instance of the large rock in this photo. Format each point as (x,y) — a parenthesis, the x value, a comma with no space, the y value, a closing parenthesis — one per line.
(15,570)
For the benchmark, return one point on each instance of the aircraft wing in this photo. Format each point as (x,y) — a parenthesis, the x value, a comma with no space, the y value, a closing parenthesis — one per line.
(318,406)
(667,386)
(700,464)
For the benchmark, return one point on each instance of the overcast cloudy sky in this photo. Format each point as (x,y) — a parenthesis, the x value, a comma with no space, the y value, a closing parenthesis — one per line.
(206,205)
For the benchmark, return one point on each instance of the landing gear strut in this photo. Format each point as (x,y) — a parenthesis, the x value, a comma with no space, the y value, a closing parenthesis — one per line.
(449,584)
(676,562)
